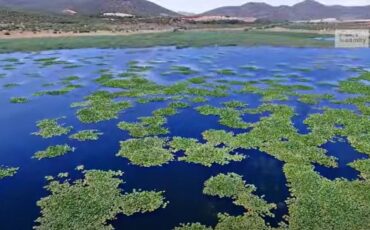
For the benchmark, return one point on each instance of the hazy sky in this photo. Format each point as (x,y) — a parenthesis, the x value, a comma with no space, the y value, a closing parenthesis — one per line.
(199,6)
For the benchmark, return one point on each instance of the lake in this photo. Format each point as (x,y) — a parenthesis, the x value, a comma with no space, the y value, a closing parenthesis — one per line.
(227,69)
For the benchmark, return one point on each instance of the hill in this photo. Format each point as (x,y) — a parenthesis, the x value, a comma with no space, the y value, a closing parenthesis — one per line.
(307,10)
(90,7)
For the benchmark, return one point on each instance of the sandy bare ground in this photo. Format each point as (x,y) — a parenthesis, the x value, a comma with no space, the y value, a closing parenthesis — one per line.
(50,34)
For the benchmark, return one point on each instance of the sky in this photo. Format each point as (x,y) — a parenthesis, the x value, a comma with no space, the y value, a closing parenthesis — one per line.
(199,6)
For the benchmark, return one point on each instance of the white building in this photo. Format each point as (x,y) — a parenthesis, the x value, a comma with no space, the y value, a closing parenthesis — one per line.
(118,15)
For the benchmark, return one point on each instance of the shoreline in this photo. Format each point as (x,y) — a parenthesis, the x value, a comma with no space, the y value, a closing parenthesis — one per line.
(150,38)
(50,34)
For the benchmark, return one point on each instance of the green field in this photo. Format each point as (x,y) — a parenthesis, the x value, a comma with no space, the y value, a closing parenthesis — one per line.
(181,39)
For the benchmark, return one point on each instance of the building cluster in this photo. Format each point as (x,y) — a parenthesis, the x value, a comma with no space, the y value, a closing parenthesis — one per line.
(216,18)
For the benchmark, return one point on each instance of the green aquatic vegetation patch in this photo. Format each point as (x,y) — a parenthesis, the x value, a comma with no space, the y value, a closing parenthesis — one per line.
(137,86)
(358,69)
(274,90)
(228,72)
(183,70)
(54,151)
(197,80)
(69,79)
(192,226)
(153,125)
(62,91)
(45,62)
(183,88)
(326,84)
(19,100)
(178,88)
(319,203)
(233,186)
(356,85)
(229,116)
(215,92)
(9,67)
(142,202)
(104,78)
(250,67)
(363,166)
(90,202)
(50,128)
(129,74)
(218,86)
(72,66)
(217,137)
(227,222)
(14,60)
(313,98)
(341,123)
(234,104)
(224,185)
(87,135)
(169,111)
(298,150)
(7,172)
(146,100)
(50,59)
(10,85)
(138,68)
(48,84)
(104,71)
(230,82)
(80,104)
(198,99)
(246,221)
(179,105)
(146,152)
(275,134)
(302,79)
(362,103)
(147,126)
(178,97)
(359,86)
(100,107)
(303,69)
(205,154)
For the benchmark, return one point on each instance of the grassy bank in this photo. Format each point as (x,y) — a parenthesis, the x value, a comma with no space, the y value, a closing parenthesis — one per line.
(194,38)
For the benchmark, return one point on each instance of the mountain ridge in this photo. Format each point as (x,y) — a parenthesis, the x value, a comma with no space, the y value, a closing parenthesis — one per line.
(306,10)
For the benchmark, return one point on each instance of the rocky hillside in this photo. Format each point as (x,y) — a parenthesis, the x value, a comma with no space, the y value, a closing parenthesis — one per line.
(90,7)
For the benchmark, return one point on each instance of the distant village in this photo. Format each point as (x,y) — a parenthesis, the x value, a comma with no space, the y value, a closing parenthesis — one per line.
(225,18)
(332,20)
(191,18)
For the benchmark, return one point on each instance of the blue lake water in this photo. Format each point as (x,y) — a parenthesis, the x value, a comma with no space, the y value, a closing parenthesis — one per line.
(345,154)
(182,182)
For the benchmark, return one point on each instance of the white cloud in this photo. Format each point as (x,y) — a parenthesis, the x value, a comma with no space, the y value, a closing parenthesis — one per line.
(199,6)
